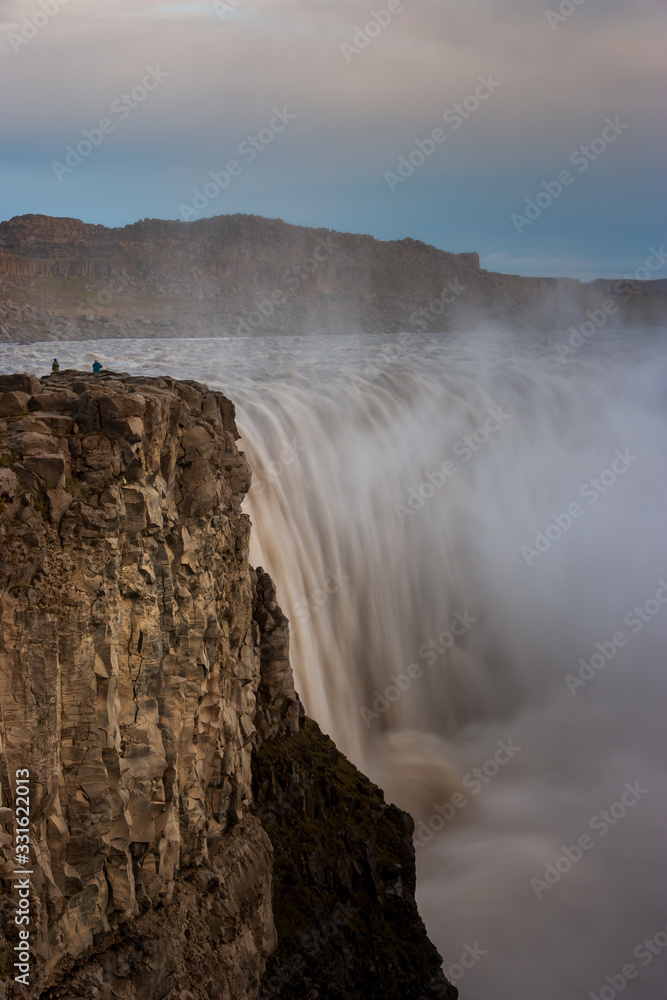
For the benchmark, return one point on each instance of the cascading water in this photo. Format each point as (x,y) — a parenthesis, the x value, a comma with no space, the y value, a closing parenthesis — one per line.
(468,539)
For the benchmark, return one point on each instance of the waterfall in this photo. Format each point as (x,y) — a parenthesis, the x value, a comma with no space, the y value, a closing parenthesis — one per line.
(494,492)
(467,535)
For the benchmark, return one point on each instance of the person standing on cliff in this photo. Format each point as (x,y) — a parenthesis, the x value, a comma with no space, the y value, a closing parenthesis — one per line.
(55,365)
(97,367)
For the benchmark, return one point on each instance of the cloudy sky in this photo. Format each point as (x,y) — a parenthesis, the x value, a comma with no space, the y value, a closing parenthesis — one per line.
(185,89)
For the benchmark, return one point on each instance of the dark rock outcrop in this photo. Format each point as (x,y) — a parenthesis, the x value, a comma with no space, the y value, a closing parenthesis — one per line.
(61,279)
(145,685)
(344,880)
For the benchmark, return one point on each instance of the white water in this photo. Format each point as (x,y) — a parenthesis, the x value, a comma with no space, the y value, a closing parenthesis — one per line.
(365,420)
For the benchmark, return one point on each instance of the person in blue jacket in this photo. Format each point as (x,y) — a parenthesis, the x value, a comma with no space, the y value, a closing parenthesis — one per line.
(97,367)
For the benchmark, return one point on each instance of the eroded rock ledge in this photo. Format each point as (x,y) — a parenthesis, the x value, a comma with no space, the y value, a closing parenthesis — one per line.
(144,673)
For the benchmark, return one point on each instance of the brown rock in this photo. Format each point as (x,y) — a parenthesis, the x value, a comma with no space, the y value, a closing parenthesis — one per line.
(13,402)
(20,383)
(56,401)
(30,442)
(9,485)
(57,422)
(59,503)
(49,468)
(117,405)
(124,674)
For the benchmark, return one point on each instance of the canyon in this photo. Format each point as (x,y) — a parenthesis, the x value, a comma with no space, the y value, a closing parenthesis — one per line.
(240,275)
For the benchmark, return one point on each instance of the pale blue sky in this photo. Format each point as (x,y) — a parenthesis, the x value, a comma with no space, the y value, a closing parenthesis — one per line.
(357,113)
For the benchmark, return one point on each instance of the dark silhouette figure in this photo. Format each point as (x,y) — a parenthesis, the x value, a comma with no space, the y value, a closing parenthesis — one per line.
(97,367)
(55,366)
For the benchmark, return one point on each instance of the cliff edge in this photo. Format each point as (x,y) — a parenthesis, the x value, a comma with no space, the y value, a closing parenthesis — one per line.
(243,275)
(148,714)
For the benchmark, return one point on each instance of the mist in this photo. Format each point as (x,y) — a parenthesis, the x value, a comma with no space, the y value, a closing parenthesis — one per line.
(468,538)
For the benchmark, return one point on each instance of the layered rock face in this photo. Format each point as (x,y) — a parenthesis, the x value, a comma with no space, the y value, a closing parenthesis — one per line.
(130,657)
(61,279)
(143,667)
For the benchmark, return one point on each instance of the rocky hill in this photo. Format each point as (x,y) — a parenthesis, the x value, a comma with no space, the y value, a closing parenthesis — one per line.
(61,279)
(171,826)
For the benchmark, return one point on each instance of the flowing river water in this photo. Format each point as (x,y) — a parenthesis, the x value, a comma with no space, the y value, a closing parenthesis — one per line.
(468,537)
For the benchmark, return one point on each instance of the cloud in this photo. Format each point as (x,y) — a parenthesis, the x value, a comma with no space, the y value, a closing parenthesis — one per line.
(355,118)
(554,84)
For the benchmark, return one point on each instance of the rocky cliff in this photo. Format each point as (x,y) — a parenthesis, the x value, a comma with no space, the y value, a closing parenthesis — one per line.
(186,822)
(62,279)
